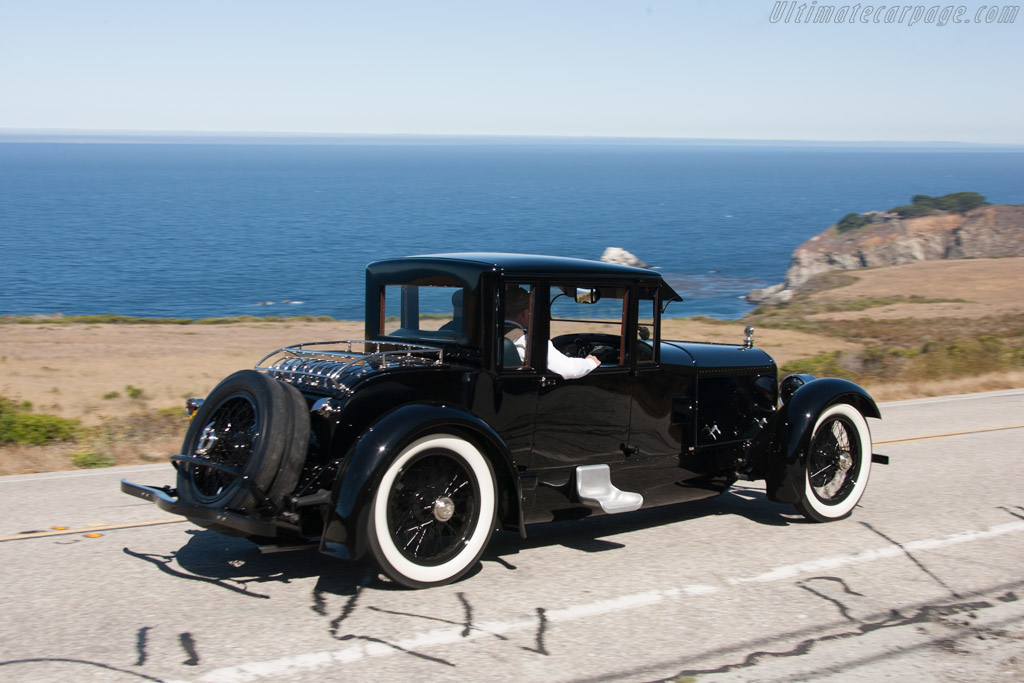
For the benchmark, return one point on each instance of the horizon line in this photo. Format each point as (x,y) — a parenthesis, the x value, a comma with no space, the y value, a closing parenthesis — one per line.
(91,135)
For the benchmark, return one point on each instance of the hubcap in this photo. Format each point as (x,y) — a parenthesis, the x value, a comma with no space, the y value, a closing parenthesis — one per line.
(207,440)
(832,469)
(845,461)
(444,509)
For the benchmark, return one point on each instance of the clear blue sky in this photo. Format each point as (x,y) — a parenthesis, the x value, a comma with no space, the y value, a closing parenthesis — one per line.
(648,68)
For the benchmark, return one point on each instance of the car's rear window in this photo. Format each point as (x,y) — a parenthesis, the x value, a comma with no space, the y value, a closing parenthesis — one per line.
(428,313)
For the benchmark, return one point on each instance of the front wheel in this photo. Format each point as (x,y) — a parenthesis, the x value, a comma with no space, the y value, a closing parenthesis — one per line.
(838,464)
(433,512)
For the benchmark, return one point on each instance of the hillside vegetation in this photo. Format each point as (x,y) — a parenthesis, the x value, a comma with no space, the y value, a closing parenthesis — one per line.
(920,205)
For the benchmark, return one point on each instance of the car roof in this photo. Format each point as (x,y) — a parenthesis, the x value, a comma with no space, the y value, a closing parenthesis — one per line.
(528,265)
(534,263)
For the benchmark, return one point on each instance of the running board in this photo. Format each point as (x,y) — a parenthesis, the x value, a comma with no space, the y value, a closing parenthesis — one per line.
(271,548)
(595,489)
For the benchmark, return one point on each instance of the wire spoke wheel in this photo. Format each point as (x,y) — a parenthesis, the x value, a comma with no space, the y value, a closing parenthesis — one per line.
(831,466)
(227,439)
(838,464)
(433,512)
(432,508)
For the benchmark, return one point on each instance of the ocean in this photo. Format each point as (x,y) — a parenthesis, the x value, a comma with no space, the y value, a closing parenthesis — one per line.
(211,230)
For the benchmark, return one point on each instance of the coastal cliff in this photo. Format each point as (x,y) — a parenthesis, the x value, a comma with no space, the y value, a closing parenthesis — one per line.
(887,239)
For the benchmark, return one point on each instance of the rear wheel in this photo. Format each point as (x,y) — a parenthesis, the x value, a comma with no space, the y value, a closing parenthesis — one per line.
(433,512)
(838,464)
(250,423)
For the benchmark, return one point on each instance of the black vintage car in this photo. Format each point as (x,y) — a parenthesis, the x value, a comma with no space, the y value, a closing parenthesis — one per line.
(416,443)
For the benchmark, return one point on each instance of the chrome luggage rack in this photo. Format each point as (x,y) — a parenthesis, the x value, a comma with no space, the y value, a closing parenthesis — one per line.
(333,365)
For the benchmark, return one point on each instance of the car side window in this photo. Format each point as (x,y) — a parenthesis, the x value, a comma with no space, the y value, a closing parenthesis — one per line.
(515,350)
(647,327)
(589,319)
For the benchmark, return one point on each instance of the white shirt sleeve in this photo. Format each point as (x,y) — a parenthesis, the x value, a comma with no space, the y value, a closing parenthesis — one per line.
(521,347)
(559,363)
(569,368)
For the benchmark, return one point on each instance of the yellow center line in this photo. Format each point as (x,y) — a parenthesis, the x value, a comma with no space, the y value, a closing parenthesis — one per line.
(948,434)
(92,529)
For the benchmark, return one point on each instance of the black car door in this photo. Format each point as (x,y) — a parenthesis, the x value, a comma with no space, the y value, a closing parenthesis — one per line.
(582,421)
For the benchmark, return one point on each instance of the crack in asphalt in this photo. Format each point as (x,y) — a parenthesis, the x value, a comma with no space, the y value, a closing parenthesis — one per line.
(381,641)
(468,626)
(926,614)
(68,660)
(843,609)
(1006,509)
(913,559)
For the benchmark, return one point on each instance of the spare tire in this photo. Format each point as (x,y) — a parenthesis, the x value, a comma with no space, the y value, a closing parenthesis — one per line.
(253,424)
(294,457)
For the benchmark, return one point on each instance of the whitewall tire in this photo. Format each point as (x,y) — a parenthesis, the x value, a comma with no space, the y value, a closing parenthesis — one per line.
(433,512)
(838,464)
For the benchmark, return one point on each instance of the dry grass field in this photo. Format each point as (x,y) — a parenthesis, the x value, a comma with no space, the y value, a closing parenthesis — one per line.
(126,383)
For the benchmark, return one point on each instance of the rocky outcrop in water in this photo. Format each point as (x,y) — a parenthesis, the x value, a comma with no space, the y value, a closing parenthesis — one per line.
(888,240)
(622,257)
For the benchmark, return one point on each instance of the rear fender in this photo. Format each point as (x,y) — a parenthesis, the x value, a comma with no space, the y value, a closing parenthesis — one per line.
(797,416)
(380,444)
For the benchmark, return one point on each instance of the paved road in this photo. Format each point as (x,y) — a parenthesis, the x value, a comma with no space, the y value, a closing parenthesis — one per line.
(925,581)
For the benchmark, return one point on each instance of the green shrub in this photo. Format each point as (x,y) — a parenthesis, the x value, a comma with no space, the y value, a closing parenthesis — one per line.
(33,429)
(822,365)
(851,221)
(964,357)
(955,202)
(912,210)
(90,460)
(21,426)
(135,393)
(931,360)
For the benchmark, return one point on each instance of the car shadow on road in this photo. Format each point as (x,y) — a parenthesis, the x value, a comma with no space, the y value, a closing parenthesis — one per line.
(237,565)
(593,534)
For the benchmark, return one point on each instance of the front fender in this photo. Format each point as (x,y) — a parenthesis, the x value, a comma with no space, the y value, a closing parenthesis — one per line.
(380,443)
(785,472)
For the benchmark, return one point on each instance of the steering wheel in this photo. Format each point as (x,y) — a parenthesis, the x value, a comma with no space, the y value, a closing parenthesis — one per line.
(579,348)
(603,352)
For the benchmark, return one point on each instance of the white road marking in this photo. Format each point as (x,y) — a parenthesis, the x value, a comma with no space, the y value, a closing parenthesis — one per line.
(75,474)
(826,563)
(286,667)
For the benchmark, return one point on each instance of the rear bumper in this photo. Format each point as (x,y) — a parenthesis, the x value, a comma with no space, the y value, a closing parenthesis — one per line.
(165,498)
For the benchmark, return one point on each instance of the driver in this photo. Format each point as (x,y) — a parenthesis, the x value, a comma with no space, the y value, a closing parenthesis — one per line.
(517,314)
